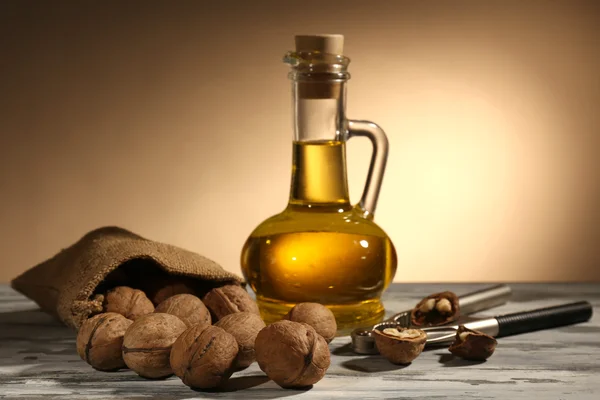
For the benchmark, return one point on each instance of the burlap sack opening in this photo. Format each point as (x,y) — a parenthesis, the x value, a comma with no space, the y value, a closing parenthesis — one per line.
(70,284)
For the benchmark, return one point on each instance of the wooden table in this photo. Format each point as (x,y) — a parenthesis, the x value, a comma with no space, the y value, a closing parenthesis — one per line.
(38,360)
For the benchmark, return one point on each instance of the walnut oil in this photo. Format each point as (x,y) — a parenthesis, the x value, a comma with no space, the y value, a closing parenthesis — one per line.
(320,248)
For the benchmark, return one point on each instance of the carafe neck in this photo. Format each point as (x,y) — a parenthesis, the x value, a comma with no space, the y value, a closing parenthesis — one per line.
(319,108)
(319,176)
(318,95)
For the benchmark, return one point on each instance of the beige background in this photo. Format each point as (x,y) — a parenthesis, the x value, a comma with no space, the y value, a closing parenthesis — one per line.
(172,119)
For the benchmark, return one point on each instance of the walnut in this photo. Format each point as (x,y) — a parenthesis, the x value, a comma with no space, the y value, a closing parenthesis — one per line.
(473,345)
(204,356)
(400,345)
(99,341)
(292,354)
(436,309)
(244,327)
(160,289)
(187,307)
(316,315)
(147,344)
(130,303)
(229,299)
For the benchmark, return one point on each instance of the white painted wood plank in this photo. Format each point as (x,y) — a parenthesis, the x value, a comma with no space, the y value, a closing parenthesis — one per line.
(38,360)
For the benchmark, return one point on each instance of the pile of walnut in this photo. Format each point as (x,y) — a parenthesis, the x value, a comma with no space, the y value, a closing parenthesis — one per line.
(403,345)
(204,341)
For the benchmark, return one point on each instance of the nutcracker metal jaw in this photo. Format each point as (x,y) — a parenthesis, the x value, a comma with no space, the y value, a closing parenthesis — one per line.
(470,303)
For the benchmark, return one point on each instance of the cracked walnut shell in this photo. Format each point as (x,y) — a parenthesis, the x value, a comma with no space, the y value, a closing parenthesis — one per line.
(204,356)
(292,354)
(472,345)
(99,341)
(436,309)
(130,303)
(400,345)
(187,308)
(147,344)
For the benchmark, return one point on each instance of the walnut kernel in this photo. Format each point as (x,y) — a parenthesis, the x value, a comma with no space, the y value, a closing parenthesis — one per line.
(473,345)
(400,345)
(427,305)
(436,309)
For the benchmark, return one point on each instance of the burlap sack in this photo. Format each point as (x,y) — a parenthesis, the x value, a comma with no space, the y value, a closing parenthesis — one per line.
(70,284)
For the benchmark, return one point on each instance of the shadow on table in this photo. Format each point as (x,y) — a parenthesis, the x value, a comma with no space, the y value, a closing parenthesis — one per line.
(367,363)
(126,384)
(236,384)
(448,360)
(28,317)
(344,351)
(371,364)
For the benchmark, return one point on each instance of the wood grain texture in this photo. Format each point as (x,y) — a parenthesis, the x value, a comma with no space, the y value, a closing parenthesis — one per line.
(38,360)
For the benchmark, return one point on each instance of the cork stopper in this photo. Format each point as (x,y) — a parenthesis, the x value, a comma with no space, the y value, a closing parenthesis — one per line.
(332,44)
(314,88)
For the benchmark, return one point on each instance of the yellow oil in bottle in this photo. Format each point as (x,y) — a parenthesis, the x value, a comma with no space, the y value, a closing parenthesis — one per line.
(320,248)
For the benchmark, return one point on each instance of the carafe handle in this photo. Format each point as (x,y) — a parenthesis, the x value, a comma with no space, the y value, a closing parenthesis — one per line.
(368,129)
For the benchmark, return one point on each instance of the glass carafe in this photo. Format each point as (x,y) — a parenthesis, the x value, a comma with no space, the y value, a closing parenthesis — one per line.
(321,248)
